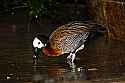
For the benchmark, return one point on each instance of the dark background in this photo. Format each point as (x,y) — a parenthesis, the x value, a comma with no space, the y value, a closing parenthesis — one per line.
(100,61)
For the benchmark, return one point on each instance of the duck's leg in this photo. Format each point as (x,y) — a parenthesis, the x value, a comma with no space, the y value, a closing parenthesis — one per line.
(70,60)
(72,56)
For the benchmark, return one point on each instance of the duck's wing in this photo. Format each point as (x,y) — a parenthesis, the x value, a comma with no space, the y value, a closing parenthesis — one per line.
(69,30)
(65,39)
(63,32)
(73,42)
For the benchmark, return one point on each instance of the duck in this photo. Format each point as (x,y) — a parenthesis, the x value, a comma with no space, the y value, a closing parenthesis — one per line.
(68,39)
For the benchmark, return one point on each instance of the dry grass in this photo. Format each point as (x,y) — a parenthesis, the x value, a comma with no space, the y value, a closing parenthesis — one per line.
(110,13)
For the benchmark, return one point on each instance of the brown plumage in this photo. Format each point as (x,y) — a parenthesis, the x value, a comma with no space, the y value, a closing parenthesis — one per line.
(68,38)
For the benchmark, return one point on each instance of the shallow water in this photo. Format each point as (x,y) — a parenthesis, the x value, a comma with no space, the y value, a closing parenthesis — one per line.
(99,62)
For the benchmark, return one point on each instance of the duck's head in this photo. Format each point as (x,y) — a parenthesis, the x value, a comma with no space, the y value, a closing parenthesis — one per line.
(39,42)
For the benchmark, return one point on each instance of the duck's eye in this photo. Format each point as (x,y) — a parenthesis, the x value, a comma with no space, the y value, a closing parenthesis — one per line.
(38,42)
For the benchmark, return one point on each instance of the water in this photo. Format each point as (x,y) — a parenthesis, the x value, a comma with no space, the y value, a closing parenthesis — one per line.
(99,62)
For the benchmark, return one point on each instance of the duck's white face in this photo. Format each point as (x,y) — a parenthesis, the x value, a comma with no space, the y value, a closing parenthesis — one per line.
(37,43)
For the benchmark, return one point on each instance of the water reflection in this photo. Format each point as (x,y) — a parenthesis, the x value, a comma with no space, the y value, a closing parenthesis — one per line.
(57,74)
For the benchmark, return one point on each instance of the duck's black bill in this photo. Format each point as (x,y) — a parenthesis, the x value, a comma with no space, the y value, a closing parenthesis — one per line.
(36,52)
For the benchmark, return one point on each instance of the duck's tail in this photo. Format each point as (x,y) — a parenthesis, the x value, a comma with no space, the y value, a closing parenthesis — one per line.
(96,30)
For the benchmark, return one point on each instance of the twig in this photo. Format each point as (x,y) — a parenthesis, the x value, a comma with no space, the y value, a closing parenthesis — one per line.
(117,2)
